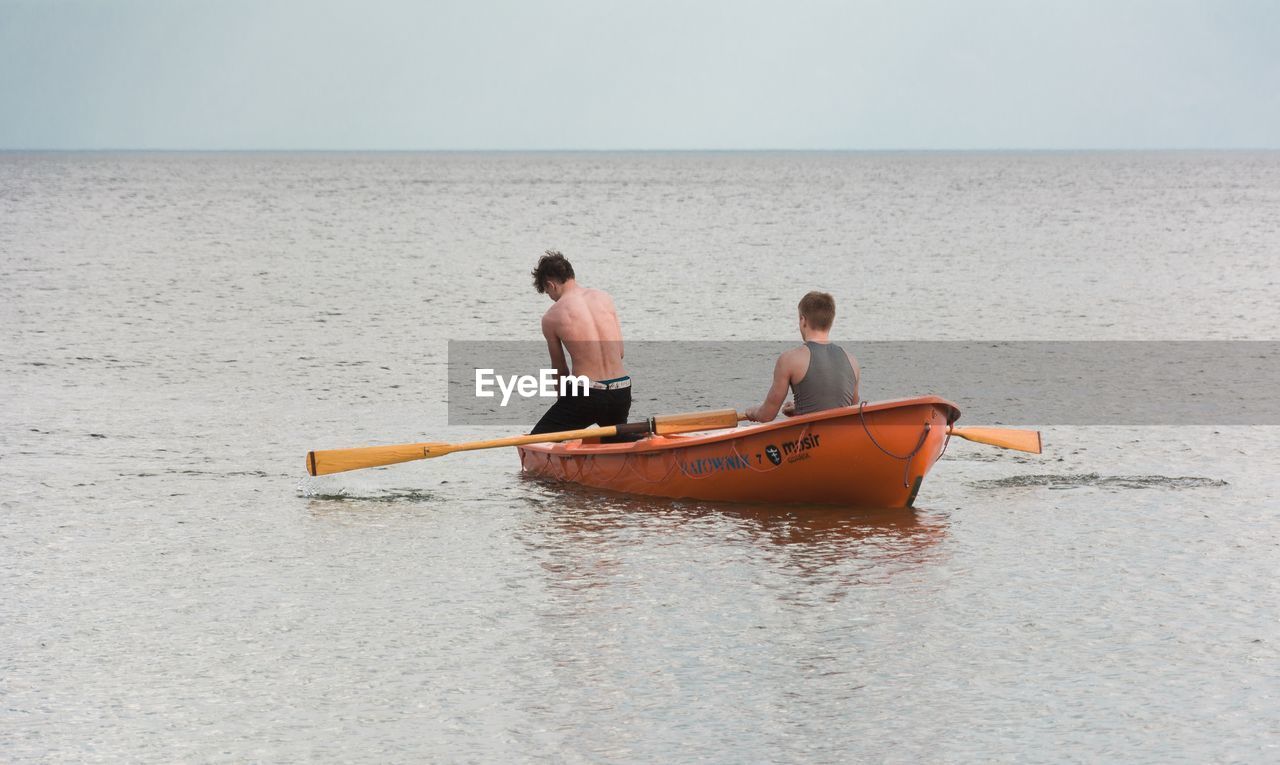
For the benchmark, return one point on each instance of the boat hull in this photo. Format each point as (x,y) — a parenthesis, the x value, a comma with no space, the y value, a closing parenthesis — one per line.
(873,455)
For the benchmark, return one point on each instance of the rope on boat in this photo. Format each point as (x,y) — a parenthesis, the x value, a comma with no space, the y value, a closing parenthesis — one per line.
(670,469)
(562,462)
(686,473)
(625,459)
(906,468)
(581,462)
(564,469)
(582,467)
(945,444)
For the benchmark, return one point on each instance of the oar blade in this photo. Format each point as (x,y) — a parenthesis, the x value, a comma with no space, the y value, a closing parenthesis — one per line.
(692,421)
(342,460)
(1005,438)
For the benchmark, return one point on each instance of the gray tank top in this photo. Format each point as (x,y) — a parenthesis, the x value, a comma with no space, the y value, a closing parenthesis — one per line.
(830,381)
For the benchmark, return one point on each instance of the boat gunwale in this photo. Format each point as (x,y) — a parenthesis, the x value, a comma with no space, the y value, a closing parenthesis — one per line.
(577,448)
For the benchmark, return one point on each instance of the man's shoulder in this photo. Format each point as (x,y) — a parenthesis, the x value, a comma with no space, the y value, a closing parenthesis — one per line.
(853,362)
(592,293)
(792,358)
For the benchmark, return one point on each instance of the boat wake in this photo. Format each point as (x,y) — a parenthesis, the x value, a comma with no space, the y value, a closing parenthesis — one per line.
(361,494)
(1076,480)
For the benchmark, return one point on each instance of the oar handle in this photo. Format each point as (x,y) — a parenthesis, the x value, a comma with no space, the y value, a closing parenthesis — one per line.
(684,423)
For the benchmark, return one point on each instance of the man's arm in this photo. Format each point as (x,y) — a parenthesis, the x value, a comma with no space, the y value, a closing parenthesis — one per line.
(554,347)
(777,392)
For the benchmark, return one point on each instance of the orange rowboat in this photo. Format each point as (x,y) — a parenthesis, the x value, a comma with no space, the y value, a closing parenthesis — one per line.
(871,455)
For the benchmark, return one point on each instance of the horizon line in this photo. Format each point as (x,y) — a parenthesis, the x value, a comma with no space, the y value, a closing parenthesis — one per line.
(900,150)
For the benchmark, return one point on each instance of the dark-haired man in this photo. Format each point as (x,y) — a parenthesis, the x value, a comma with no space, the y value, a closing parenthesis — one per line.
(821,374)
(584,322)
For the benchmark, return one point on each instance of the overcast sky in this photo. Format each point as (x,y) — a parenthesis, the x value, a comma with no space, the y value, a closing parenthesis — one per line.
(640,74)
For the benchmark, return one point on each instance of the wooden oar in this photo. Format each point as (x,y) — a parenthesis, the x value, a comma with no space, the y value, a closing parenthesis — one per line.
(339,460)
(1005,438)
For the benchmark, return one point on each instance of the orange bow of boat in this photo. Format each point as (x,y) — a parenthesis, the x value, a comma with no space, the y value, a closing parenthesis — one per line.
(871,455)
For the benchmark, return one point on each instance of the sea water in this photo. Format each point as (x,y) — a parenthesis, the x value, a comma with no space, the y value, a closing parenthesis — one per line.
(179,329)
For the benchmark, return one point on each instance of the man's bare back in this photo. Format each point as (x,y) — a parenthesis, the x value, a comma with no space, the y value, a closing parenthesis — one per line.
(585,322)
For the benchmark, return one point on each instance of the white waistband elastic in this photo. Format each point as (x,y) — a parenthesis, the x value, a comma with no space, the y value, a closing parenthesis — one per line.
(618,384)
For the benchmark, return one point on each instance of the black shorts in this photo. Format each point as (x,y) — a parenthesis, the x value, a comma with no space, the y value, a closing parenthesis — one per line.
(573,412)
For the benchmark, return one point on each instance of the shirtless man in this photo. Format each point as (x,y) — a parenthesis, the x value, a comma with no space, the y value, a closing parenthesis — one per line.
(820,373)
(584,322)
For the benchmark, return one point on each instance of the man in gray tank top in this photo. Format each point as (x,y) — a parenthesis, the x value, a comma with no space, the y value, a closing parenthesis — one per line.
(821,374)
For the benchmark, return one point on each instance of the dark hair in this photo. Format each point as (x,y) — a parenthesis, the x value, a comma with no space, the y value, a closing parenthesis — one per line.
(819,308)
(551,267)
